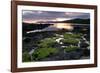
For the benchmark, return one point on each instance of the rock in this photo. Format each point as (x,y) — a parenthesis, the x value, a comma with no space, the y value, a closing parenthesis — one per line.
(86,52)
(27,40)
(75,55)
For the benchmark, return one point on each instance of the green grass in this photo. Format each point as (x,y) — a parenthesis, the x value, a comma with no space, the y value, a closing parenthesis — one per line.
(72,35)
(44,52)
(48,42)
(26,57)
(71,48)
(70,41)
(45,48)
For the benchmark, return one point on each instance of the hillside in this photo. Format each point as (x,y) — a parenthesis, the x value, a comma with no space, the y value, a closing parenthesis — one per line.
(79,21)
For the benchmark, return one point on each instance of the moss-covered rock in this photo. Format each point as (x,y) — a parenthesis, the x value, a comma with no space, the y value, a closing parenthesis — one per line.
(26,57)
(44,52)
(70,48)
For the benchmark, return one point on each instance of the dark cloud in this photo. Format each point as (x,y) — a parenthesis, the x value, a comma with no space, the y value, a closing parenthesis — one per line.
(50,15)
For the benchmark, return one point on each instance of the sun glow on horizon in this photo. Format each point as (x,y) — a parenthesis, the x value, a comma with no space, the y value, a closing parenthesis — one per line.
(44,21)
(62,19)
(30,21)
(63,26)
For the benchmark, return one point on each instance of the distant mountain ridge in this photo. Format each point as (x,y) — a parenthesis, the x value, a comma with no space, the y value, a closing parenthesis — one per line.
(77,20)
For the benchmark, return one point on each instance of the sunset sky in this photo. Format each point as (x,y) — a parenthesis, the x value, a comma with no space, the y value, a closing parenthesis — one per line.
(37,16)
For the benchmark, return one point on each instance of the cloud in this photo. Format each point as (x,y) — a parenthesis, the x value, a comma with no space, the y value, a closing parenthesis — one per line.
(51,15)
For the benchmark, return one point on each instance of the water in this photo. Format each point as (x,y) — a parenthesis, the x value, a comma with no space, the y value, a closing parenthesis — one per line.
(60,26)
(66,26)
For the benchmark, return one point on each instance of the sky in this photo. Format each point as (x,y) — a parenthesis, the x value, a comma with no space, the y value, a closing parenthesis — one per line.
(32,16)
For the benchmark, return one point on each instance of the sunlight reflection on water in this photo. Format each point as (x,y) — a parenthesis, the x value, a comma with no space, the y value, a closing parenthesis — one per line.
(67,26)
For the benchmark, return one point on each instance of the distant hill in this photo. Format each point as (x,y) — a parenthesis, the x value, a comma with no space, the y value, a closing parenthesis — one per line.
(33,26)
(78,21)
